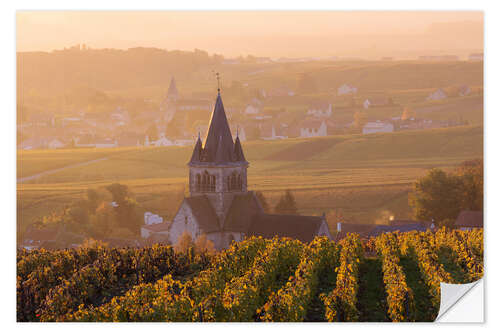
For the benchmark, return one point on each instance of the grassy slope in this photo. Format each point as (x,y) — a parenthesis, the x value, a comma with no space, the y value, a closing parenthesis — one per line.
(362,175)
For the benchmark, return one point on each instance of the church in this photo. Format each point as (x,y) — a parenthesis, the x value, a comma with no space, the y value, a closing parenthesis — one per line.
(220,204)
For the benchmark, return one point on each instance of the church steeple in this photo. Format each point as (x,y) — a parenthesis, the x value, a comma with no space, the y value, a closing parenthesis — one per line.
(172,93)
(219,141)
(196,156)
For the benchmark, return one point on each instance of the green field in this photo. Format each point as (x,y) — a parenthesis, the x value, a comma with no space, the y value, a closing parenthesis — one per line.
(366,177)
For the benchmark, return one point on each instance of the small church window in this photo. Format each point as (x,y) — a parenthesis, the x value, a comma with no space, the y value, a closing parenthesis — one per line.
(185,220)
(212,183)
(240,185)
(198,182)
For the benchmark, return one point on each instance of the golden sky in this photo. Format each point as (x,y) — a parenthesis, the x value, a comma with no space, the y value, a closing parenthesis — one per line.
(262,33)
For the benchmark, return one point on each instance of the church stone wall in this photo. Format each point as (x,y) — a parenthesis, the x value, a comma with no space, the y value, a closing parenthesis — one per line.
(183,221)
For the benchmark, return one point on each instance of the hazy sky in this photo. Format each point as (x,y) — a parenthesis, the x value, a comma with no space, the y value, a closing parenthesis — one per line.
(263,33)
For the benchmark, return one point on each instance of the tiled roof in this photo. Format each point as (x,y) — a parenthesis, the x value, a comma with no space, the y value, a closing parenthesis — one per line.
(204,213)
(470,218)
(159,227)
(242,211)
(303,228)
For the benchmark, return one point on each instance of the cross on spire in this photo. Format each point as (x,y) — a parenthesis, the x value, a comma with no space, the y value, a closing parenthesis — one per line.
(218,82)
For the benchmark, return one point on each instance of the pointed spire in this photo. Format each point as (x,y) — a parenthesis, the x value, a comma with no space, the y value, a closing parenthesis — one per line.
(238,151)
(223,155)
(219,133)
(196,157)
(172,92)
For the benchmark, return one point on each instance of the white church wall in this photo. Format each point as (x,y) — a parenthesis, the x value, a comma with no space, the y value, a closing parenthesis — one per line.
(184,220)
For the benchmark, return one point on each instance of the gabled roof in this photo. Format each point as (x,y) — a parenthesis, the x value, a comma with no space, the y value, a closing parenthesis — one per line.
(380,229)
(158,227)
(242,211)
(196,157)
(470,218)
(303,228)
(204,213)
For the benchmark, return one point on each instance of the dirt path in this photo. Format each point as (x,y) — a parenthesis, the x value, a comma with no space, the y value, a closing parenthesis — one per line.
(48,172)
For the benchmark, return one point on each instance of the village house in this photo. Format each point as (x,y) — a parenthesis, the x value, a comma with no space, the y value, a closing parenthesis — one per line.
(320,109)
(346,89)
(378,127)
(437,95)
(254,107)
(476,57)
(156,229)
(311,128)
(469,219)
(271,131)
(55,144)
(378,101)
(463,90)
(220,204)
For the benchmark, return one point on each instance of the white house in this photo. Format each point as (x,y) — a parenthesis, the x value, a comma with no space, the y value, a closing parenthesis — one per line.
(150,218)
(320,109)
(376,101)
(272,132)
(163,141)
(464,90)
(106,143)
(254,106)
(437,95)
(476,57)
(346,89)
(313,128)
(378,127)
(55,144)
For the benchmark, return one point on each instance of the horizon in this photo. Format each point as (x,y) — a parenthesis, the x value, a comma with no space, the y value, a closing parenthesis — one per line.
(401,34)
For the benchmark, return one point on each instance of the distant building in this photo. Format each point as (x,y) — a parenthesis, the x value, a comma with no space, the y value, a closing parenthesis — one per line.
(106,143)
(464,90)
(254,107)
(377,102)
(439,58)
(313,128)
(163,141)
(155,230)
(270,131)
(56,144)
(378,127)
(469,219)
(150,218)
(346,89)
(437,95)
(476,57)
(320,109)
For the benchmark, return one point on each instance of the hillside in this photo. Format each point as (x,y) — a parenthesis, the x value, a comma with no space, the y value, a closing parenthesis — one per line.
(364,176)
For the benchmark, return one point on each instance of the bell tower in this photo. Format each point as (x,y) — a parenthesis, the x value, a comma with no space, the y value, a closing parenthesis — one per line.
(218,168)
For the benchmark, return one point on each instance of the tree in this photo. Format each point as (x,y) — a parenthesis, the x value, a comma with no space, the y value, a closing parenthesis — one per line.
(471,175)
(184,242)
(263,201)
(204,245)
(103,221)
(93,200)
(360,119)
(408,113)
(437,196)
(286,204)
(118,192)
(152,132)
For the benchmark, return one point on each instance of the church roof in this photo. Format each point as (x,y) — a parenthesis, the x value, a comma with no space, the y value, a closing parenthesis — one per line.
(204,213)
(219,148)
(241,213)
(172,89)
(303,228)
(196,157)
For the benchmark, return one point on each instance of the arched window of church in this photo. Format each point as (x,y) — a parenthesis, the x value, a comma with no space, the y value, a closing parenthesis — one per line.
(212,183)
(240,184)
(198,182)
(233,181)
(229,183)
(206,182)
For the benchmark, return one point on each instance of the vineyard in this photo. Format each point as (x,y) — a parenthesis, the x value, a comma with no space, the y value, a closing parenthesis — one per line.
(393,277)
